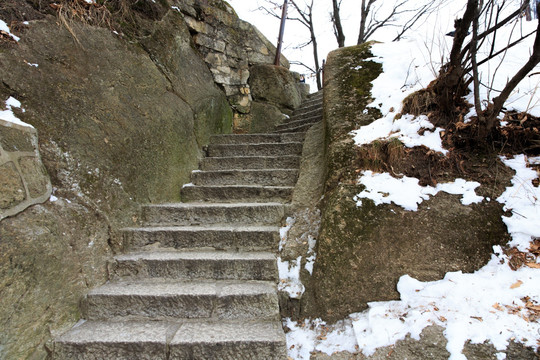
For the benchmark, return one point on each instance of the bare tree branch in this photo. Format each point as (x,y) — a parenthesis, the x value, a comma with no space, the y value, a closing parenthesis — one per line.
(336,21)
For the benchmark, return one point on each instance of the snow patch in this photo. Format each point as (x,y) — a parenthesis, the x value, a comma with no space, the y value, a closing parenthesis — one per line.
(289,277)
(284,231)
(523,199)
(316,335)
(8,114)
(409,129)
(406,192)
(5,28)
(312,255)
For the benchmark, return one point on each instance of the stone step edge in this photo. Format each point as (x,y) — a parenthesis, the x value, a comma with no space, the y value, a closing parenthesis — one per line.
(159,331)
(303,121)
(173,287)
(165,254)
(209,227)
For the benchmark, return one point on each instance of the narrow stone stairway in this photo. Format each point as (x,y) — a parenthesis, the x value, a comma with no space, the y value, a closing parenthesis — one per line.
(200,278)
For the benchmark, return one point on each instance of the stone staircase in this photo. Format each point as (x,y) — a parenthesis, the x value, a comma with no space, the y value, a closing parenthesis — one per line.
(200,280)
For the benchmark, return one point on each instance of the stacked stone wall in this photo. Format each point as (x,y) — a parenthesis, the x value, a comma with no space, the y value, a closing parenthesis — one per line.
(23,178)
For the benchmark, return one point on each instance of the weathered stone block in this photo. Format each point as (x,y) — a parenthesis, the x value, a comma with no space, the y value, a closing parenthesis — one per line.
(35,175)
(264,117)
(11,186)
(16,139)
(199,26)
(276,85)
(204,40)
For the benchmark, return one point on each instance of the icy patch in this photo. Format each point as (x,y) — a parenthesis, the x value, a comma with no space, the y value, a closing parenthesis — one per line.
(523,199)
(8,114)
(289,277)
(5,28)
(53,198)
(406,192)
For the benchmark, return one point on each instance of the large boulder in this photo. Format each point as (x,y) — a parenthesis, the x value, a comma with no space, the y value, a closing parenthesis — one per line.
(275,85)
(362,251)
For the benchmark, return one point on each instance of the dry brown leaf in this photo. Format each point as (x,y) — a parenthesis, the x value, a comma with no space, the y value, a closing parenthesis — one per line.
(516,284)
(497,306)
(532,307)
(477,318)
(533,265)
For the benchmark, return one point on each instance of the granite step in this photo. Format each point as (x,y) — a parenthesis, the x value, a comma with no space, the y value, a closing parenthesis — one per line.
(237,193)
(230,341)
(300,122)
(197,264)
(256,138)
(310,106)
(250,162)
(269,149)
(315,112)
(145,340)
(169,299)
(300,128)
(208,213)
(274,177)
(219,237)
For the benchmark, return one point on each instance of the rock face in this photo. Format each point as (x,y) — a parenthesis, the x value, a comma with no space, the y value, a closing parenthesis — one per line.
(238,56)
(122,119)
(363,251)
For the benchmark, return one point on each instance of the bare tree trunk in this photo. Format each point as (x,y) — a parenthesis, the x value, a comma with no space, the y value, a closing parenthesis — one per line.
(338,28)
(450,86)
(498,102)
(306,18)
(316,58)
(364,11)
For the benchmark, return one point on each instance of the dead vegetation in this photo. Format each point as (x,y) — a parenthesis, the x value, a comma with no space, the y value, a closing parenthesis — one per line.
(126,17)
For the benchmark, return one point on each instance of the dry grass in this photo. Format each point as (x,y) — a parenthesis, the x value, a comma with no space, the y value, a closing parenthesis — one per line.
(419,102)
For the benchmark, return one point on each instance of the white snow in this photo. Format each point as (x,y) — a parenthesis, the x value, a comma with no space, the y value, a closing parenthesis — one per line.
(284,231)
(289,277)
(312,255)
(4,27)
(8,114)
(406,129)
(406,192)
(308,336)
(523,199)
(289,271)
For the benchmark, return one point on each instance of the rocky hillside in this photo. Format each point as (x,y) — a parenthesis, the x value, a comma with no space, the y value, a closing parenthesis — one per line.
(123,97)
